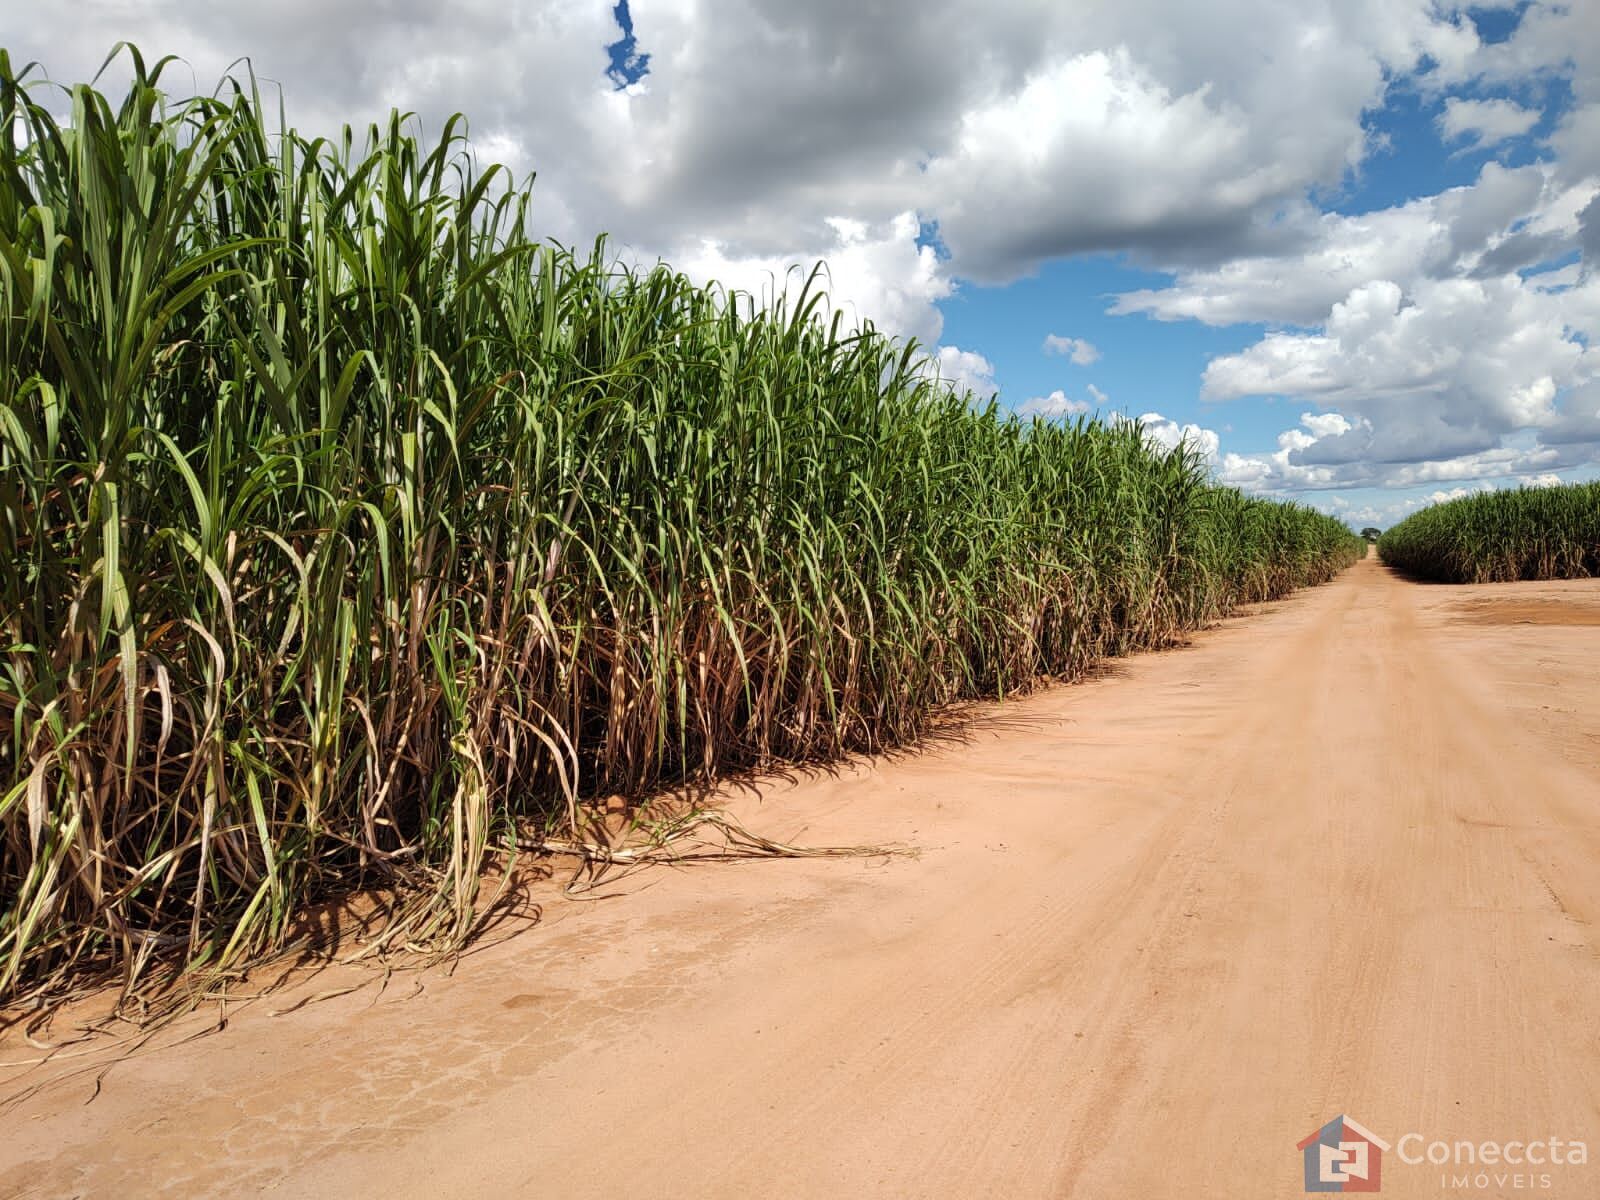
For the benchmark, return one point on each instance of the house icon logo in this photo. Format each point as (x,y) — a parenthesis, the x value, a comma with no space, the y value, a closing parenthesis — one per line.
(1343,1157)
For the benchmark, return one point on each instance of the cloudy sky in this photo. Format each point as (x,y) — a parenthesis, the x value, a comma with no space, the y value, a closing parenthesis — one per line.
(1349,245)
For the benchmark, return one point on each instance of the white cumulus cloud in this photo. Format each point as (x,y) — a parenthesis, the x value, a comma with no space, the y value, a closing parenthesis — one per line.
(1056,404)
(966,371)
(1078,350)
(1485,122)
(1169,434)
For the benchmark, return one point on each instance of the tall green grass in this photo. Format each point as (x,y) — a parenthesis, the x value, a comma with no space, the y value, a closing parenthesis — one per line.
(346,525)
(1496,537)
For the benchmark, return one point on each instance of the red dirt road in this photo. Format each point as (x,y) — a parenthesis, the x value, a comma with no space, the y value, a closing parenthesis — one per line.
(1342,856)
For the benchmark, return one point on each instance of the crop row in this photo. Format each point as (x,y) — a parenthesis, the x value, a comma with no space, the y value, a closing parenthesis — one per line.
(1501,536)
(347,526)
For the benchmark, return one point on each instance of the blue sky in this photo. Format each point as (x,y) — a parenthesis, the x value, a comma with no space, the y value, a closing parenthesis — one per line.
(1149,365)
(1343,246)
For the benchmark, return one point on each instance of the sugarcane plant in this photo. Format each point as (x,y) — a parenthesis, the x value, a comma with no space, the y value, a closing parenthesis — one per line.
(349,527)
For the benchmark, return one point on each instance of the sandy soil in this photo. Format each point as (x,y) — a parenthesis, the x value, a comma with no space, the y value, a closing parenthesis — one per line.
(1342,856)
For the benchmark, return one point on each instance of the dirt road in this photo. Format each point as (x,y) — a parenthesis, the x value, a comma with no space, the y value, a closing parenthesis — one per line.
(1342,856)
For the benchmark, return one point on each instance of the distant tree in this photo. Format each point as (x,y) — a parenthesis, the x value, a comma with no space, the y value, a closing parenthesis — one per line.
(1370,533)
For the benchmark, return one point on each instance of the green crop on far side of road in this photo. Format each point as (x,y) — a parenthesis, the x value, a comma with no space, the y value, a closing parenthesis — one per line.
(1497,537)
